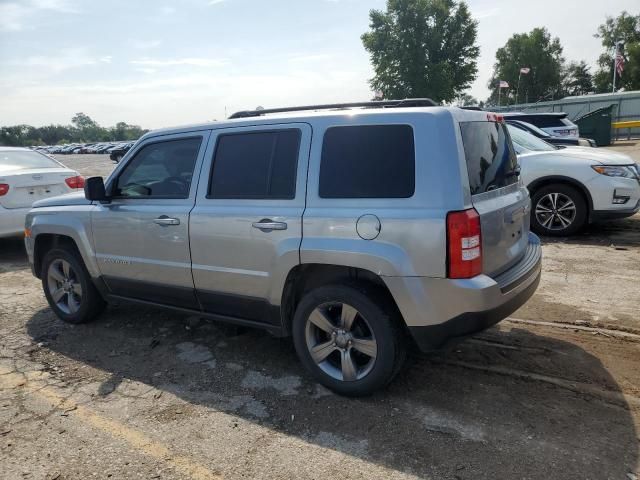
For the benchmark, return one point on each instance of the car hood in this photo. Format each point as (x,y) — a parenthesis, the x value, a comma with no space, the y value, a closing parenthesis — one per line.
(74,198)
(587,154)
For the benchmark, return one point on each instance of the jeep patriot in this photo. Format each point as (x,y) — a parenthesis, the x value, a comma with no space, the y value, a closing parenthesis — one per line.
(358,229)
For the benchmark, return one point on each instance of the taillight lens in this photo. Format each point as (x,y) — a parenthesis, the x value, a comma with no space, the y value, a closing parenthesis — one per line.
(75,182)
(464,244)
(4,189)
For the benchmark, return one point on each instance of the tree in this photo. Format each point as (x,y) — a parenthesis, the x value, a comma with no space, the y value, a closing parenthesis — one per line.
(577,79)
(465,100)
(625,28)
(422,48)
(537,51)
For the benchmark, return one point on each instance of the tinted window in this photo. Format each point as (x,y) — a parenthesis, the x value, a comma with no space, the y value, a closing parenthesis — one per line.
(162,169)
(256,165)
(22,159)
(491,160)
(376,161)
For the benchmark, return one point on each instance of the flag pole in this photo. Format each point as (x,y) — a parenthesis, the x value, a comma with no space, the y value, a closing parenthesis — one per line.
(615,56)
(518,88)
(499,92)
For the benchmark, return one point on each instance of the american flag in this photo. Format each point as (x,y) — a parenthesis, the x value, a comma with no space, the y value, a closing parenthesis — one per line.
(619,65)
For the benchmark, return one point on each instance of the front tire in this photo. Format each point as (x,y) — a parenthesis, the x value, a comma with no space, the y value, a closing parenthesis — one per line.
(68,287)
(558,210)
(350,343)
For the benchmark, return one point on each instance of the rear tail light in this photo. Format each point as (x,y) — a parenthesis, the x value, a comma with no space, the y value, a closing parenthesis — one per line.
(4,189)
(75,182)
(495,117)
(464,244)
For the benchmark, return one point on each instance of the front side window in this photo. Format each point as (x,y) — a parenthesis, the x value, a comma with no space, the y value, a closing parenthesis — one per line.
(369,161)
(160,170)
(255,165)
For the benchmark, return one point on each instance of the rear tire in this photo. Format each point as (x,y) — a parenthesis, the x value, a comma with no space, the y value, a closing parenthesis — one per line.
(558,210)
(68,287)
(349,342)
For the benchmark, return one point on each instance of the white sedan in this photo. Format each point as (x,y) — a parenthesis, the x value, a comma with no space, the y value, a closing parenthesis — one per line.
(575,185)
(27,176)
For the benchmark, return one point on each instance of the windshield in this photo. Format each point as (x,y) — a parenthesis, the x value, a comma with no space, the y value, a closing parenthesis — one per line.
(24,159)
(538,131)
(525,142)
(491,161)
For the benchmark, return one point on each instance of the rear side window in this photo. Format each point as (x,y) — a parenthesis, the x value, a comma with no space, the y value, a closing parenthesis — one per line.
(491,159)
(372,161)
(256,165)
(548,121)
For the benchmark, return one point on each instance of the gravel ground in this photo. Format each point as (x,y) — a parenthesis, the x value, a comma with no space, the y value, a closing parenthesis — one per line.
(553,392)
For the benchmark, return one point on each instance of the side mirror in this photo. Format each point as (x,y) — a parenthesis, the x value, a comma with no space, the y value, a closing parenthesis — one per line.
(94,189)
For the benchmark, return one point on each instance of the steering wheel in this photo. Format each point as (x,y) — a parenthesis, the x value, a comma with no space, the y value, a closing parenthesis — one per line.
(181,182)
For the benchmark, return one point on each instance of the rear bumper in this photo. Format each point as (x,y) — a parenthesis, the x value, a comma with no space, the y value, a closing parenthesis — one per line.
(12,221)
(439,310)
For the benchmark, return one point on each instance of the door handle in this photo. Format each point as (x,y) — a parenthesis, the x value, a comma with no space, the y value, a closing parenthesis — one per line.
(266,225)
(164,220)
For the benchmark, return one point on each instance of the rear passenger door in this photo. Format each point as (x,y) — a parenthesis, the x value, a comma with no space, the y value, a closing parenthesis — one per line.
(246,227)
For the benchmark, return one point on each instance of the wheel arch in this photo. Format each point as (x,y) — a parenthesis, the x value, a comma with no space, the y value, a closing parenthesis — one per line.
(307,276)
(538,183)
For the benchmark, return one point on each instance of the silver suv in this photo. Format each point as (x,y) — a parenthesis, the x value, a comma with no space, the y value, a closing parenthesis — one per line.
(358,229)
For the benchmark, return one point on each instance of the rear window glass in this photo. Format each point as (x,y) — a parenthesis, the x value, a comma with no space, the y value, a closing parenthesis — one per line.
(23,159)
(372,161)
(491,159)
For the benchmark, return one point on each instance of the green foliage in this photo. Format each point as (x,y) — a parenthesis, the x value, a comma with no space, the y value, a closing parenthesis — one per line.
(625,28)
(422,48)
(577,79)
(83,129)
(537,51)
(465,100)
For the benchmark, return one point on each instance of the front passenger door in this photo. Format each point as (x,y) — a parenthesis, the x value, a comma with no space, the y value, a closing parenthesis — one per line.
(141,238)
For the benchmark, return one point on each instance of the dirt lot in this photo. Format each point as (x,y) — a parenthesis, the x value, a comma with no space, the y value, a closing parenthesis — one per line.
(553,392)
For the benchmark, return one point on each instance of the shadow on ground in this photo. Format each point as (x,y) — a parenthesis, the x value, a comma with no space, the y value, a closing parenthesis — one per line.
(437,419)
(621,233)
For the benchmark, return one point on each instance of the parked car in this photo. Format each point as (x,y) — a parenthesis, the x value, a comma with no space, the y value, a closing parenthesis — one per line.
(559,141)
(120,151)
(27,176)
(342,227)
(556,124)
(572,186)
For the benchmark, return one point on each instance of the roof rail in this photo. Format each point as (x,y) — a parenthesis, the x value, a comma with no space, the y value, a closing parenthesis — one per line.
(407,102)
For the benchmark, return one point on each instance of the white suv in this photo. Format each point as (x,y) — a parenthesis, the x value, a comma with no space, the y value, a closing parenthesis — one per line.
(575,185)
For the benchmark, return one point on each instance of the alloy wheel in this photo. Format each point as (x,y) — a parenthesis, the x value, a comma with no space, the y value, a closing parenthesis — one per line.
(341,341)
(64,286)
(555,211)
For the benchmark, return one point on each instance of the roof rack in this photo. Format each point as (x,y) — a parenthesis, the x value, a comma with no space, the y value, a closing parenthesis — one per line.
(407,102)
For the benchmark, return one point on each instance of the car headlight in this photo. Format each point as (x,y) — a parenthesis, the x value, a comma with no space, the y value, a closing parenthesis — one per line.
(624,171)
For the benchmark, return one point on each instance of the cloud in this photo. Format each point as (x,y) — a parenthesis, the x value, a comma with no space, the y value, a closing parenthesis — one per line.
(15,16)
(146,44)
(166,10)
(216,2)
(194,62)
(66,59)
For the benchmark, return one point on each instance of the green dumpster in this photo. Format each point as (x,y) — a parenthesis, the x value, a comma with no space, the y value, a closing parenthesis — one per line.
(596,125)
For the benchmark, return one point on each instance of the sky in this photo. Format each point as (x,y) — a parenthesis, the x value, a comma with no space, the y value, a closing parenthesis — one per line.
(159,63)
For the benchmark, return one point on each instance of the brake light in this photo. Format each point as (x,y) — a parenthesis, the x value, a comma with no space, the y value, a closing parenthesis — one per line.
(494,117)
(4,189)
(464,244)
(75,182)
